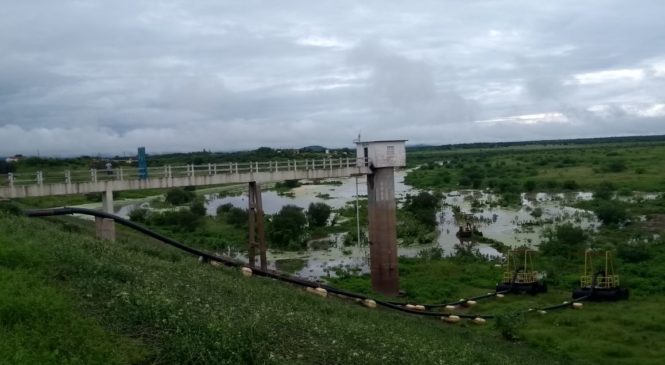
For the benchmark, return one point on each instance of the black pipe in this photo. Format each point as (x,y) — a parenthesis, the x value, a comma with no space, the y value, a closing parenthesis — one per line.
(256,271)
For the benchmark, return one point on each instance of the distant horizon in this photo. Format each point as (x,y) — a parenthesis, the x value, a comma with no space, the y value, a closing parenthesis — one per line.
(530,141)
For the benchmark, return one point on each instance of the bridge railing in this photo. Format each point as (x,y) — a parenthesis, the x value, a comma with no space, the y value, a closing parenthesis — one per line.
(174,171)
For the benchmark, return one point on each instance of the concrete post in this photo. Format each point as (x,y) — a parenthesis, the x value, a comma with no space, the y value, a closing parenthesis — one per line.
(383,231)
(105,227)
(257,237)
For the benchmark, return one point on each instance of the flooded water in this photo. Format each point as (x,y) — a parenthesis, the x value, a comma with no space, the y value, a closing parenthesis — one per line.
(334,195)
(513,226)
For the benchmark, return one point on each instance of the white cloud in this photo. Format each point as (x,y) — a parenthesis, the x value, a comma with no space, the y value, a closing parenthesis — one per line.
(608,76)
(530,119)
(325,42)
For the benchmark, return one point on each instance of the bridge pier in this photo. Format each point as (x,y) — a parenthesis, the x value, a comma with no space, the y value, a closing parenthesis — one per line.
(257,237)
(382,157)
(105,228)
(382,231)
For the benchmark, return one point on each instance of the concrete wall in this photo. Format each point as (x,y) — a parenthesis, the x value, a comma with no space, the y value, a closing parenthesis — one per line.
(383,153)
(21,191)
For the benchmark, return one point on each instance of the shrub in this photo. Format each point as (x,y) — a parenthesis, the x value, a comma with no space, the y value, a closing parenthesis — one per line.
(179,196)
(570,185)
(604,191)
(529,185)
(237,217)
(509,324)
(10,208)
(633,253)
(564,240)
(287,228)
(537,212)
(287,184)
(318,214)
(198,209)
(611,212)
(180,220)
(224,208)
(423,207)
(139,215)
(615,166)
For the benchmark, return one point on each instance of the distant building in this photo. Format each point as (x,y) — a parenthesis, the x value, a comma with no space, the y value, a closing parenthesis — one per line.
(15,158)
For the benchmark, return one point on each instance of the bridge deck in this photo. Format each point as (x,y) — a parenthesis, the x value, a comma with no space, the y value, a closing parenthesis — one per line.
(90,181)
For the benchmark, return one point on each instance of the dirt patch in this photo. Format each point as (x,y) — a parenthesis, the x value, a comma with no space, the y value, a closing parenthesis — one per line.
(655,223)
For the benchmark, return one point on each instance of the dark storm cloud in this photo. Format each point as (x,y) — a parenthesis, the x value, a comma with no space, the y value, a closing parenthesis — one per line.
(105,77)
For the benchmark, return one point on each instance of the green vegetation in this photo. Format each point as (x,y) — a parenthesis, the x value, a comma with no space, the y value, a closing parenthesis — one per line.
(541,168)
(318,214)
(287,228)
(137,301)
(608,333)
(417,221)
(179,196)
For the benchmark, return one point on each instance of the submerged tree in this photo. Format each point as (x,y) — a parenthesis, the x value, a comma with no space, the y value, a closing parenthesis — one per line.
(318,214)
(287,228)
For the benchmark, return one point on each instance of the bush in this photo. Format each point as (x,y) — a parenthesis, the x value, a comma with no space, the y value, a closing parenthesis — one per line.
(10,208)
(224,208)
(615,166)
(179,196)
(287,184)
(423,207)
(287,228)
(537,212)
(180,220)
(140,215)
(198,209)
(237,217)
(318,214)
(611,212)
(633,253)
(509,324)
(564,240)
(510,199)
(570,185)
(604,191)
(529,185)
(508,186)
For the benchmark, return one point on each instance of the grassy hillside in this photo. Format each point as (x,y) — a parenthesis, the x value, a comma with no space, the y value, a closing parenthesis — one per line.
(66,298)
(627,332)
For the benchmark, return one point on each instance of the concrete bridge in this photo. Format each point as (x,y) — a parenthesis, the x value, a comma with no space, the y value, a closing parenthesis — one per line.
(375,159)
(107,181)
(68,182)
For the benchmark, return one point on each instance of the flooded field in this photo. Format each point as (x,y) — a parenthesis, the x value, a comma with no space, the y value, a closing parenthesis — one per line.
(512,226)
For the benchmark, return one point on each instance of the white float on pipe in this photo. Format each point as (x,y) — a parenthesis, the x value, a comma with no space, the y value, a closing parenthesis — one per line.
(478,320)
(451,318)
(246,272)
(369,303)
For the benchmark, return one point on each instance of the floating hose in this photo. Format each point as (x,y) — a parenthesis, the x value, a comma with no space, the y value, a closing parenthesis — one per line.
(459,302)
(227,261)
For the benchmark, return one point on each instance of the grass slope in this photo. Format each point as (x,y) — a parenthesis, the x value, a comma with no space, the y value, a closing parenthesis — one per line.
(628,332)
(68,298)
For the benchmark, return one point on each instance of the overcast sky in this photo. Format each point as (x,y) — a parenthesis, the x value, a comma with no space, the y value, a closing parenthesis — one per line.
(89,77)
